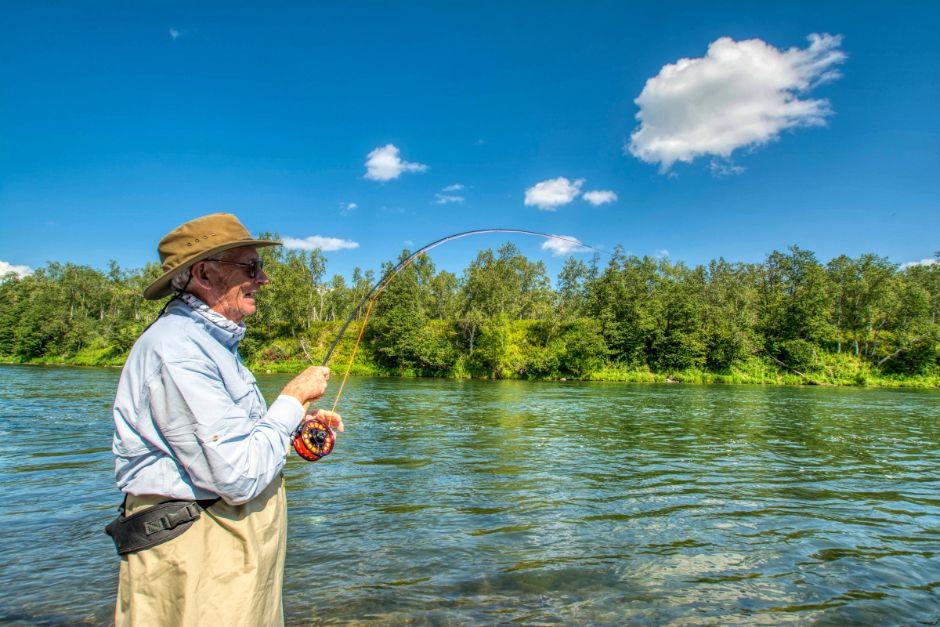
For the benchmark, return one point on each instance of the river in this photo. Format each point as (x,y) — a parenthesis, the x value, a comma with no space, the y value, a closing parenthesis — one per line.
(467,502)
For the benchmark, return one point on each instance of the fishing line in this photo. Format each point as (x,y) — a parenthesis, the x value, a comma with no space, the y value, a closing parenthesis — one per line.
(314,438)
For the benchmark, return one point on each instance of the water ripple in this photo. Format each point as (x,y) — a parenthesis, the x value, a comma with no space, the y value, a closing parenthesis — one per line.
(464,502)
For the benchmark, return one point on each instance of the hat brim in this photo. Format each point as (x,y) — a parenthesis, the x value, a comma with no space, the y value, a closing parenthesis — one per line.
(162,286)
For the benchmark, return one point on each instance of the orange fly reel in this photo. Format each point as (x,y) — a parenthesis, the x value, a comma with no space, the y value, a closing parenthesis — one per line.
(314,439)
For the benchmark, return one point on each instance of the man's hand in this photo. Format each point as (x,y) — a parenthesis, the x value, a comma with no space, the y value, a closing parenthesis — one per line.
(309,385)
(331,418)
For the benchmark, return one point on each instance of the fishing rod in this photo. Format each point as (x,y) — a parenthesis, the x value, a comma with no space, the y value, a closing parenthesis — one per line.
(314,438)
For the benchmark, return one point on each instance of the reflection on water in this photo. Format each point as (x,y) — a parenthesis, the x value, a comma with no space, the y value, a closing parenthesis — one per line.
(460,502)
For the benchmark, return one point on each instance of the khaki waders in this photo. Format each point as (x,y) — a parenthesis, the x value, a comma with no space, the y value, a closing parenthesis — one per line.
(227,569)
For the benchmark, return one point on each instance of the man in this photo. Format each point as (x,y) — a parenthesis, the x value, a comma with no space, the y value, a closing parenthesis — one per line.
(191,425)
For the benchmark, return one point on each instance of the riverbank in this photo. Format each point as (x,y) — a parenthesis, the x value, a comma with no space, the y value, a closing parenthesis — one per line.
(837,370)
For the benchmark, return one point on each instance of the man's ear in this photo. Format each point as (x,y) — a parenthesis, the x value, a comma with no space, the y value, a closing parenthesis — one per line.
(200,273)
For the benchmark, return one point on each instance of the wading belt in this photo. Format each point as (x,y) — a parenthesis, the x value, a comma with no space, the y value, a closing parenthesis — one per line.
(155,525)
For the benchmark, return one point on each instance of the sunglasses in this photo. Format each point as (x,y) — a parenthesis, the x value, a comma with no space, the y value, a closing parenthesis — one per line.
(251,267)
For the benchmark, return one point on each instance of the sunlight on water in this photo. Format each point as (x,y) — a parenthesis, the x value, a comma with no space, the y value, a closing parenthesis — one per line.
(456,502)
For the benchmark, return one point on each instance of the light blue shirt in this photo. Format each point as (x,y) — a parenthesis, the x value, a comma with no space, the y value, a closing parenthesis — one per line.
(189,420)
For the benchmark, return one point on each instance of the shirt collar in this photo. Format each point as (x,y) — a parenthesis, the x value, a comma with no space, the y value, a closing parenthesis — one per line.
(227,332)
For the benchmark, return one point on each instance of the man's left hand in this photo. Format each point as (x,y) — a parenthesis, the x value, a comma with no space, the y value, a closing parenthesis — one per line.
(331,418)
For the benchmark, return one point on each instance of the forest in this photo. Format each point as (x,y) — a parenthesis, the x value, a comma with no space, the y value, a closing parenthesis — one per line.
(787,319)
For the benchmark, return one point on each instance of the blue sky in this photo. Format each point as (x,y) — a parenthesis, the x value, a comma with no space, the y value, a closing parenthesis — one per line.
(119,121)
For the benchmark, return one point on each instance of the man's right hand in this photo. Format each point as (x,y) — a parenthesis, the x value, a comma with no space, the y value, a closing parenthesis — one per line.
(309,385)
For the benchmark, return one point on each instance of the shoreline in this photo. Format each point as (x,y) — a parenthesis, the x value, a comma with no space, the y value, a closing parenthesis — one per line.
(611,374)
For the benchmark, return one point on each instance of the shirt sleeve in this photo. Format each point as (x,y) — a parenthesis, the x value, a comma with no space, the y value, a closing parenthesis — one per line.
(213,438)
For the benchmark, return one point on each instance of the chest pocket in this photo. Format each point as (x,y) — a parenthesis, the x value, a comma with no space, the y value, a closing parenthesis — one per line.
(244,391)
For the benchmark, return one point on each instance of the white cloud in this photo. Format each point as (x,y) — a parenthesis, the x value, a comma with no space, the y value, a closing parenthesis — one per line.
(600,197)
(662,253)
(315,242)
(724,167)
(345,208)
(923,262)
(567,246)
(446,195)
(385,164)
(19,271)
(175,34)
(553,193)
(741,93)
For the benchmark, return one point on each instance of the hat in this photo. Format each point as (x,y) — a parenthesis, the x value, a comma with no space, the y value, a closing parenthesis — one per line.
(197,240)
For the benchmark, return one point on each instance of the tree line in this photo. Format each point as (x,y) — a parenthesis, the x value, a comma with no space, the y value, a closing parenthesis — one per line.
(503,317)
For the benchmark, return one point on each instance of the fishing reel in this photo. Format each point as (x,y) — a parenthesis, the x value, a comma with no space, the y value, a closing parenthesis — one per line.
(314,439)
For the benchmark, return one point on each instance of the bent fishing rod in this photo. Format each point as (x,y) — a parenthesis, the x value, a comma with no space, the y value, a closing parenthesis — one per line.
(314,438)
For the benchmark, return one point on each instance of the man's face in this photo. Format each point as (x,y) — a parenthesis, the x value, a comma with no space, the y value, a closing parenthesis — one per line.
(232,291)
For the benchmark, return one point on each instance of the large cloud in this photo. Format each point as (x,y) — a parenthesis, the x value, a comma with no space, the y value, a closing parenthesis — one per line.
(315,242)
(384,164)
(8,268)
(561,245)
(741,93)
(553,193)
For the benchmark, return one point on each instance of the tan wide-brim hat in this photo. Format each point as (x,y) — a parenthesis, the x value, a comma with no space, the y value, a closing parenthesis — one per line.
(197,240)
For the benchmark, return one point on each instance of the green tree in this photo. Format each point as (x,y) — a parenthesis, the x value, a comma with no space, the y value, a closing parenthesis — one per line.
(911,344)
(620,299)
(795,305)
(731,314)
(400,333)
(677,337)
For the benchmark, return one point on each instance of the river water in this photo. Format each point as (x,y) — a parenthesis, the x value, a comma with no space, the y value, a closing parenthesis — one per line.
(467,502)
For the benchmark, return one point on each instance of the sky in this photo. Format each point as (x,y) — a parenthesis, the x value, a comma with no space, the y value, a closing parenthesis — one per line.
(683,129)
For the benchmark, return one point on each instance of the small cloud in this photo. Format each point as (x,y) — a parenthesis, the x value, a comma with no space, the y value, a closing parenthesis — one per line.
(724,167)
(318,242)
(409,243)
(345,208)
(19,271)
(741,93)
(446,199)
(175,34)
(600,197)
(662,253)
(385,164)
(479,142)
(446,195)
(561,245)
(930,262)
(553,193)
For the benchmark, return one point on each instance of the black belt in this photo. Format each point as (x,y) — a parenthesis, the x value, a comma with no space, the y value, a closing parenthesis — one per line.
(155,525)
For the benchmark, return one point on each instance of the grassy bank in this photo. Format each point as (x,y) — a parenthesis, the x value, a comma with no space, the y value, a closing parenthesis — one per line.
(288,357)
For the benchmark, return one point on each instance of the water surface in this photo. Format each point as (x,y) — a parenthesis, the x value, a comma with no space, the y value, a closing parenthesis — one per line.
(466,502)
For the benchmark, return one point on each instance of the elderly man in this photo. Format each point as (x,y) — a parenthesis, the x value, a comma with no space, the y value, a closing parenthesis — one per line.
(198,453)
